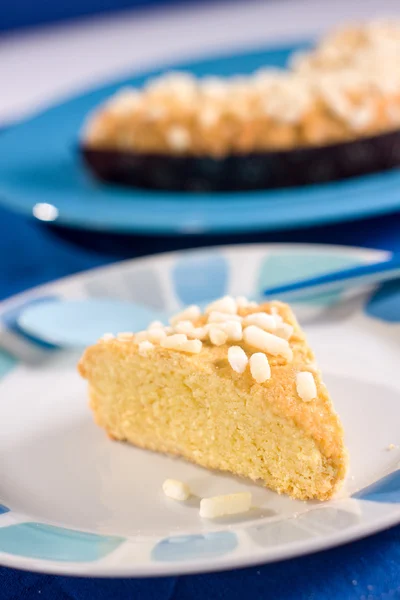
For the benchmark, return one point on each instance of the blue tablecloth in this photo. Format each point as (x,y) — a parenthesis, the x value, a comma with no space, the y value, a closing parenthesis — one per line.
(25,13)
(366,570)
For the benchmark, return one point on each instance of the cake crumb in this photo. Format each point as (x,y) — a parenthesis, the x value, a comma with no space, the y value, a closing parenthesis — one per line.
(226,305)
(190,313)
(145,347)
(185,327)
(178,138)
(106,337)
(233,330)
(216,316)
(192,346)
(305,385)
(156,334)
(199,333)
(237,358)
(261,320)
(229,504)
(179,342)
(174,342)
(125,336)
(267,342)
(243,302)
(218,337)
(259,367)
(285,331)
(155,325)
(175,489)
(392,447)
(141,336)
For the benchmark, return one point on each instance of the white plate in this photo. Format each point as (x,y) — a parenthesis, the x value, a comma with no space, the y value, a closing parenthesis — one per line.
(78,503)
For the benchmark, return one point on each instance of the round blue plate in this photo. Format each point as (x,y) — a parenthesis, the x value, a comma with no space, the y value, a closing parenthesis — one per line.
(41,174)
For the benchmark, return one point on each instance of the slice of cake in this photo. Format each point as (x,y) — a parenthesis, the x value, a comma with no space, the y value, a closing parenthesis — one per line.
(234,388)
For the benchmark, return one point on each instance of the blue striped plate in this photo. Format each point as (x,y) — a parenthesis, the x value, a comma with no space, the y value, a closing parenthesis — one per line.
(74,502)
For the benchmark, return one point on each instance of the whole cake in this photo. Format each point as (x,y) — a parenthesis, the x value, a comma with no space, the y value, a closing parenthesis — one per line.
(334,113)
(235,388)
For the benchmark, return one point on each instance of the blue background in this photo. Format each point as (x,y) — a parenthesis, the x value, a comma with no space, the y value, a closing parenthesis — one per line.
(24,13)
(31,254)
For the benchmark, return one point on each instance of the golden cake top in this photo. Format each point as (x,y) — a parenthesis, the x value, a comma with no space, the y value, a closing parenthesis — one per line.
(248,335)
(375,45)
(348,86)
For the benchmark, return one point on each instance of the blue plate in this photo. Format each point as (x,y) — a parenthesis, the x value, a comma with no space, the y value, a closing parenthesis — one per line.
(41,175)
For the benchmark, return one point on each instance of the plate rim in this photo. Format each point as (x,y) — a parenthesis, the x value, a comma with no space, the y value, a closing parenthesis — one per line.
(193,567)
(75,277)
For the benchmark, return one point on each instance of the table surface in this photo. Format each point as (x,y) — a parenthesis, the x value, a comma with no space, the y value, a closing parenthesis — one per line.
(31,253)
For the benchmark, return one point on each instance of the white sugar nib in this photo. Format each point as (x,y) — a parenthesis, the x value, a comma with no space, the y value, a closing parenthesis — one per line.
(237,358)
